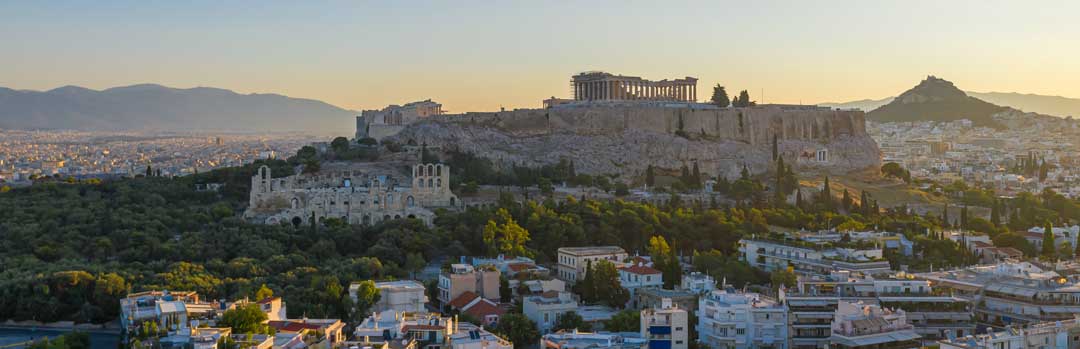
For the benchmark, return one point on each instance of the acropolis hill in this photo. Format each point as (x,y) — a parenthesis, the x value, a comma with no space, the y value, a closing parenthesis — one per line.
(621,126)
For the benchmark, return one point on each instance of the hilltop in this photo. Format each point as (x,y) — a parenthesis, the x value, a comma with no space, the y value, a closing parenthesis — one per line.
(150,106)
(937,99)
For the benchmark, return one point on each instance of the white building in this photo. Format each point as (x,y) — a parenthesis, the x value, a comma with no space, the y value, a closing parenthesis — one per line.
(812,259)
(546,309)
(859,325)
(573,260)
(1057,335)
(666,326)
(741,321)
(397,296)
(468,336)
(584,340)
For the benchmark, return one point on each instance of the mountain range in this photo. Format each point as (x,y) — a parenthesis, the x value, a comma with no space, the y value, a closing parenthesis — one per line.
(1049,105)
(156,107)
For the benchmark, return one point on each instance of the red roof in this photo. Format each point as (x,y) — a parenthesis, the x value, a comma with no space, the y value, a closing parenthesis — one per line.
(483,308)
(640,269)
(463,300)
(292,326)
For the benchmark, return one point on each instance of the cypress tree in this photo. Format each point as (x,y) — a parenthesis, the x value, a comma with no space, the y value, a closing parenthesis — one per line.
(1048,249)
(775,148)
(945,216)
(650,176)
(963,217)
(696,174)
(798,198)
(846,201)
(995,213)
(826,195)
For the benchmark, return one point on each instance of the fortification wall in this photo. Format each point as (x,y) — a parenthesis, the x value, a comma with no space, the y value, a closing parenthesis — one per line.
(624,139)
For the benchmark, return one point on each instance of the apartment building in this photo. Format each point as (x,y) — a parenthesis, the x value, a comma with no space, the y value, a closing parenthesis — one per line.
(809,258)
(666,326)
(741,321)
(461,278)
(868,326)
(573,261)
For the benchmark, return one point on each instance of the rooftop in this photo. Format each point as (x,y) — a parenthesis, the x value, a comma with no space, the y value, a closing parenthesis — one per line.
(592,250)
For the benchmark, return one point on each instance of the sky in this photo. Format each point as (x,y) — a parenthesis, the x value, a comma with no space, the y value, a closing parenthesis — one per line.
(483,55)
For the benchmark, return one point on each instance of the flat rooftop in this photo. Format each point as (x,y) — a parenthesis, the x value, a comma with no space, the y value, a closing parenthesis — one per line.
(592,250)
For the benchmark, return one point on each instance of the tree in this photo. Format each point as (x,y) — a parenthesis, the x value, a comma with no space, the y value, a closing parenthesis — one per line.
(894,170)
(367,294)
(518,329)
(602,285)
(571,321)
(149,171)
(340,145)
(945,216)
(782,277)
(743,100)
(846,201)
(826,196)
(1049,250)
(995,213)
(696,176)
(245,319)
(263,293)
(624,321)
(621,189)
(367,141)
(963,217)
(414,262)
(775,149)
(720,97)
(545,186)
(503,235)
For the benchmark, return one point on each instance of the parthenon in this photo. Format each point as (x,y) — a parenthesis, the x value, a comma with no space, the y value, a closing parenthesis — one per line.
(597,85)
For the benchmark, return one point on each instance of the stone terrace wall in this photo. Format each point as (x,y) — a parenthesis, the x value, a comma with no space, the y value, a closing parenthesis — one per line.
(625,139)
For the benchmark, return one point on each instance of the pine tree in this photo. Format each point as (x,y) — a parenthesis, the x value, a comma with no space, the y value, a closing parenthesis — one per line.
(720,97)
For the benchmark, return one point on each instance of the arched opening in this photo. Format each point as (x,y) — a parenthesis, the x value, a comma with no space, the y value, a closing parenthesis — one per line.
(429,183)
(389,199)
(409,201)
(430,170)
(366,220)
(386,217)
(295,203)
(397,216)
(420,183)
(452,201)
(438,170)
(438,182)
(296,221)
(412,216)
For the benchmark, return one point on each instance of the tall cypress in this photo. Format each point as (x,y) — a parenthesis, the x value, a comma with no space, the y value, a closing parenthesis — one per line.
(1048,249)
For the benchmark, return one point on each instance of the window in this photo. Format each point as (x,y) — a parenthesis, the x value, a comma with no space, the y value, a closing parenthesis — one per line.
(740,331)
(678,328)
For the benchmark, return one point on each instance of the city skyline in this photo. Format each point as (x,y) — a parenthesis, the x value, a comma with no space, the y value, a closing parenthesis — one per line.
(480,57)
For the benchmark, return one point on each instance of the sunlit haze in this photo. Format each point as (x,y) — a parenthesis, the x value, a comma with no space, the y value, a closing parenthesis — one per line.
(476,56)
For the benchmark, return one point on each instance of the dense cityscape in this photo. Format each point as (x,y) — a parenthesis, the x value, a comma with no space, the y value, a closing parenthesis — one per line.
(507,175)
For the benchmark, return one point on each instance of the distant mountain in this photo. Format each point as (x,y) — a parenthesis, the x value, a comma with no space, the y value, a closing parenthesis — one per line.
(1049,105)
(156,107)
(936,99)
(864,105)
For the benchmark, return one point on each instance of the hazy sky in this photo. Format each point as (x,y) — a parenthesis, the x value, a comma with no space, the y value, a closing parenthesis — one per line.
(473,55)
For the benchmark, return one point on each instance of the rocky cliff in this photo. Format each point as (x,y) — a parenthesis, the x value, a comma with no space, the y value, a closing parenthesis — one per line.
(625,139)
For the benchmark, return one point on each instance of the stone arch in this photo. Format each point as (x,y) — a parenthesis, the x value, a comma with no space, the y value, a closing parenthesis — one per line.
(389,199)
(366,220)
(296,221)
(420,170)
(430,169)
(264,172)
(410,201)
(438,182)
(420,183)
(397,216)
(412,216)
(295,203)
(438,170)
(429,183)
(386,217)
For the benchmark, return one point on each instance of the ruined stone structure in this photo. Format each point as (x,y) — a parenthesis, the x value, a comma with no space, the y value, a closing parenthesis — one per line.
(623,137)
(392,119)
(596,85)
(356,195)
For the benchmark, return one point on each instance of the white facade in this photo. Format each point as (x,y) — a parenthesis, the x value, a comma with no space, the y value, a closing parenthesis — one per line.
(547,308)
(741,321)
(574,260)
(808,259)
(397,296)
(666,326)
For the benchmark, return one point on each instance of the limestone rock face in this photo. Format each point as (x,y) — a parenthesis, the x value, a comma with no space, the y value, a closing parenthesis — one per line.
(624,140)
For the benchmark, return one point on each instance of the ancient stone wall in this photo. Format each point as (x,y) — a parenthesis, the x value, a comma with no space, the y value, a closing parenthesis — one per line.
(624,139)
